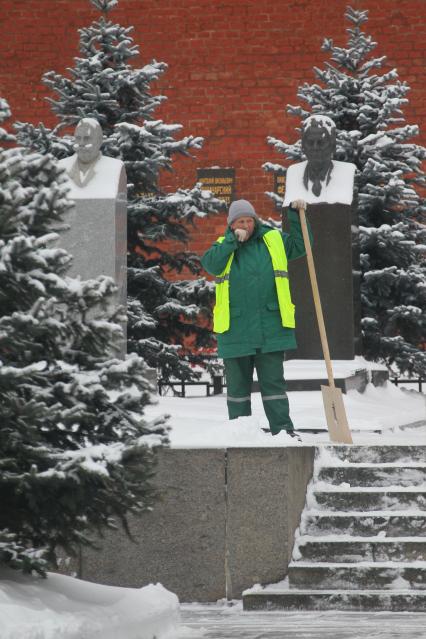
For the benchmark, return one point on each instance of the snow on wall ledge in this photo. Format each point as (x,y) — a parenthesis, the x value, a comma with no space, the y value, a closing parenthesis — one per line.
(61,607)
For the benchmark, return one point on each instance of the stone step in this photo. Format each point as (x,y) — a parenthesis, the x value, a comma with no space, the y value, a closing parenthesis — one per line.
(362,540)
(371,500)
(346,381)
(360,576)
(377,475)
(378,454)
(398,600)
(364,525)
(354,550)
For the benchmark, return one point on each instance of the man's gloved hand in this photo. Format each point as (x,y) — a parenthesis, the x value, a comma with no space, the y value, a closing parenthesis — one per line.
(298,204)
(241,234)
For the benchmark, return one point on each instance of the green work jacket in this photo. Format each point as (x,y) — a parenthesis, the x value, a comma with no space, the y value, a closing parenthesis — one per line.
(255,316)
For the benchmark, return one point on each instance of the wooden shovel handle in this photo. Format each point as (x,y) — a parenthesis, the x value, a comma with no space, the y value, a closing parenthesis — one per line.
(317,301)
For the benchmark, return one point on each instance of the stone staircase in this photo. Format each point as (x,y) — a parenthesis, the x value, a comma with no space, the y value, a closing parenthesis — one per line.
(361,543)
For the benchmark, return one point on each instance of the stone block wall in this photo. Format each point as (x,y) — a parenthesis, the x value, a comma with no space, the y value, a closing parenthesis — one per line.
(226,520)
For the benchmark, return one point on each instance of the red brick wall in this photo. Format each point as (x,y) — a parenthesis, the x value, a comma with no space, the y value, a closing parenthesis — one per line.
(233,67)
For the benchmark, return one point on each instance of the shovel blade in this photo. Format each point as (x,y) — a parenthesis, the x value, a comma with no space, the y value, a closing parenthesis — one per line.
(335,414)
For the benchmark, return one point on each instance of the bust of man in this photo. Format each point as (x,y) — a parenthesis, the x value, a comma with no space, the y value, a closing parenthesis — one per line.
(88,139)
(320,178)
(319,145)
(92,174)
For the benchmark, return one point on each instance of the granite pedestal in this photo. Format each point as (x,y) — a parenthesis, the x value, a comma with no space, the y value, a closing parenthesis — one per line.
(97,240)
(332,250)
(96,236)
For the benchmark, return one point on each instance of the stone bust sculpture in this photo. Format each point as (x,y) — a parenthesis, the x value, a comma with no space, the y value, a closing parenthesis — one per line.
(319,178)
(92,174)
(319,145)
(88,140)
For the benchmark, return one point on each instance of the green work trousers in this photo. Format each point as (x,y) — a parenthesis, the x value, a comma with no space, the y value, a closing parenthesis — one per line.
(270,375)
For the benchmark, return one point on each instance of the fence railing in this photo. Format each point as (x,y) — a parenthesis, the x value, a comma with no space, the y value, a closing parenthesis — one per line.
(401,380)
(178,388)
(217,384)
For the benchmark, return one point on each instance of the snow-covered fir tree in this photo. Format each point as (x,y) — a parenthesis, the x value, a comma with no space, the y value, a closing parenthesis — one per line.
(103,84)
(367,105)
(74,454)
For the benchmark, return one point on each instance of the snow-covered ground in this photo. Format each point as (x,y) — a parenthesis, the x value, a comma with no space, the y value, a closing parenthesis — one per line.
(61,607)
(376,416)
(221,621)
(66,608)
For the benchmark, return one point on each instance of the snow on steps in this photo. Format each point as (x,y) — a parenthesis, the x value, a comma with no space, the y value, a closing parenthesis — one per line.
(360,525)
(361,544)
(364,475)
(346,576)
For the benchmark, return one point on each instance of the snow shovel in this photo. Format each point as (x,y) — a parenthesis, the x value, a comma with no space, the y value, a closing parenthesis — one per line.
(332,397)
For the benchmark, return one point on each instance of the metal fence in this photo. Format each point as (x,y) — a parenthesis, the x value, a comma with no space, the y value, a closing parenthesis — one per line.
(218,383)
(178,388)
(398,381)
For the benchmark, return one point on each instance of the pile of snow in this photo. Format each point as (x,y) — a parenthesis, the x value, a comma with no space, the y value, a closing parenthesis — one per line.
(61,607)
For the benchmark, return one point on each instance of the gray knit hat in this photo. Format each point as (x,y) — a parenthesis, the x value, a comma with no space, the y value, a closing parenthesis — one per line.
(240,208)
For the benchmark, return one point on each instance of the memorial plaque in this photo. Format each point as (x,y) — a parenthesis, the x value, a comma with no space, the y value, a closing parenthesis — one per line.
(279,184)
(221,182)
(148,193)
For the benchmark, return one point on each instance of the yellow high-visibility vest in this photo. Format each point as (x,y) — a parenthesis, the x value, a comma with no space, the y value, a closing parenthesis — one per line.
(275,244)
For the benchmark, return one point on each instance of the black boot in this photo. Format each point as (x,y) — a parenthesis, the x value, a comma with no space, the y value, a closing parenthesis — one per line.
(291,433)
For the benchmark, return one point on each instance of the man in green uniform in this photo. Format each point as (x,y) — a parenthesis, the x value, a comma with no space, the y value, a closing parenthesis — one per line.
(254,314)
